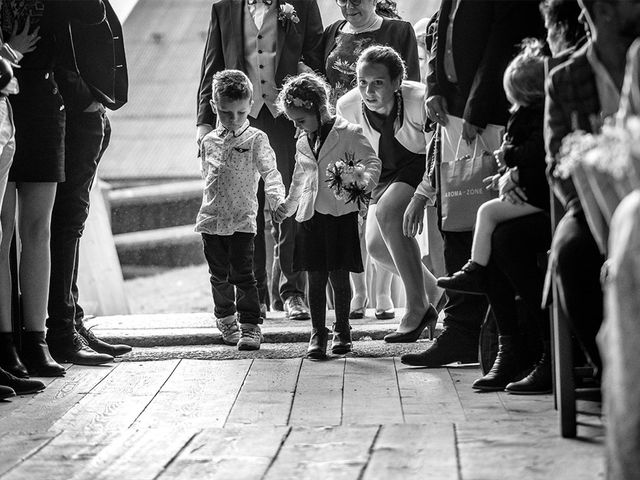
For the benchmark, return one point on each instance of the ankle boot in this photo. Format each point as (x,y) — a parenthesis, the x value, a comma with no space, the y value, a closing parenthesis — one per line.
(9,359)
(36,356)
(539,381)
(317,349)
(341,341)
(505,369)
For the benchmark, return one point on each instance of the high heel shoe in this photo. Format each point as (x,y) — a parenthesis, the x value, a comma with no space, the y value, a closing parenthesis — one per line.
(359,312)
(428,321)
(36,356)
(386,314)
(317,349)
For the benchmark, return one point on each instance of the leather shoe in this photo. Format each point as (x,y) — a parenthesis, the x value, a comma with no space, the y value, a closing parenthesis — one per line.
(506,368)
(341,341)
(295,308)
(450,347)
(317,349)
(538,382)
(6,392)
(21,386)
(428,321)
(76,350)
(470,279)
(37,358)
(100,346)
(9,359)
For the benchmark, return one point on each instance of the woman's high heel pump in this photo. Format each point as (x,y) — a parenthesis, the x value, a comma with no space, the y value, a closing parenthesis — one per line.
(428,321)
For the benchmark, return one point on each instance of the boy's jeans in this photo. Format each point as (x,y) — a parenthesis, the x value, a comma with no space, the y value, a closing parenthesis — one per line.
(230,259)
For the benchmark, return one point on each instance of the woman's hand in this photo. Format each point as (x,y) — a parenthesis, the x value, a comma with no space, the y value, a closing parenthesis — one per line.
(509,189)
(492,182)
(499,156)
(280,213)
(24,42)
(413,220)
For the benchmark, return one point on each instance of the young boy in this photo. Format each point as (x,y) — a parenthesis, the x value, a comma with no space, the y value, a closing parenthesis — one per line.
(234,155)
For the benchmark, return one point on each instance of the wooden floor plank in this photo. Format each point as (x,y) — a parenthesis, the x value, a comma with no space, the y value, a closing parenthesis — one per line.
(428,395)
(338,453)
(318,398)
(526,449)
(15,448)
(39,413)
(371,393)
(199,394)
(476,405)
(117,401)
(413,451)
(267,393)
(242,453)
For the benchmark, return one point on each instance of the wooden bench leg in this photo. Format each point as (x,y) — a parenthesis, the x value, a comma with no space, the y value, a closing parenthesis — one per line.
(564,385)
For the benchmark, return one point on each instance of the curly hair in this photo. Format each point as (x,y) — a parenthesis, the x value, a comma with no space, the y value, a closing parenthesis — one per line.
(523,79)
(387,9)
(307,91)
(231,85)
(387,56)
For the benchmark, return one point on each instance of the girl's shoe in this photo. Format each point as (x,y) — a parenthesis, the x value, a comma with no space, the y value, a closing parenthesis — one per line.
(359,312)
(387,314)
(428,321)
(341,342)
(36,356)
(471,278)
(317,349)
(9,359)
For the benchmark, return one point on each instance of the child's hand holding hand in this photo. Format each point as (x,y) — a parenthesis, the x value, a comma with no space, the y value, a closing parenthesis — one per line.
(280,213)
(492,182)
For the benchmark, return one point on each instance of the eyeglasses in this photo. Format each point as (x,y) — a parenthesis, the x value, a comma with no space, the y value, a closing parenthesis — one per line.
(343,3)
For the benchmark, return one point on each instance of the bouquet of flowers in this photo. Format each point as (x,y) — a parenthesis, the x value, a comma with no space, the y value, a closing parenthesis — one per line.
(348,179)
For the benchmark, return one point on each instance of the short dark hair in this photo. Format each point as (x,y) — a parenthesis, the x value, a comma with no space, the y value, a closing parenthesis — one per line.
(566,13)
(387,56)
(232,85)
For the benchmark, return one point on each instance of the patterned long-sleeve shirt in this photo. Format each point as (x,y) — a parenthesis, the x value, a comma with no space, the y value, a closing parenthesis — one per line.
(232,164)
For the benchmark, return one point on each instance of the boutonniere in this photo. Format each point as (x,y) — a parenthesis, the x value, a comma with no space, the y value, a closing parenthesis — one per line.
(287,14)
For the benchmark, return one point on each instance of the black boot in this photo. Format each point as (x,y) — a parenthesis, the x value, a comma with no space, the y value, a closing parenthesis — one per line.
(341,342)
(36,356)
(451,346)
(539,381)
(20,386)
(317,349)
(505,369)
(101,346)
(9,359)
(471,279)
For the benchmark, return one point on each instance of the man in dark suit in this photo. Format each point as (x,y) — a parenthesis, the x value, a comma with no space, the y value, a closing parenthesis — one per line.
(581,93)
(92,75)
(268,40)
(474,42)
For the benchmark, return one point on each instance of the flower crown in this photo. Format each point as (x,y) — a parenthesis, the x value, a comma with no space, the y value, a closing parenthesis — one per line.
(290,100)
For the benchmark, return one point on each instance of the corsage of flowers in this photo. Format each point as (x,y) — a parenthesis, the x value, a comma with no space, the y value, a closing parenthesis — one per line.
(287,14)
(615,150)
(348,179)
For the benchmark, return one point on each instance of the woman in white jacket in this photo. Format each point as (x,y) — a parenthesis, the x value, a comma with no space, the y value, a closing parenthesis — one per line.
(391,113)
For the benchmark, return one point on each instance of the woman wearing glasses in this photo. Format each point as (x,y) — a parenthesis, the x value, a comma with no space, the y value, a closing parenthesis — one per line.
(366,23)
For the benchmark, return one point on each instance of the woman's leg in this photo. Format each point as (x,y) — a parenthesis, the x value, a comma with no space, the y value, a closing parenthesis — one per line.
(490,214)
(359,299)
(383,290)
(318,298)
(7,220)
(35,203)
(404,252)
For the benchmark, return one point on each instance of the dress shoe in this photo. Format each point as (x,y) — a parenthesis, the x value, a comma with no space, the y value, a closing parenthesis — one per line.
(341,341)
(101,346)
(76,350)
(428,321)
(359,312)
(36,356)
(317,349)
(6,392)
(471,278)
(450,347)
(21,386)
(295,308)
(506,368)
(539,381)
(387,314)
(9,359)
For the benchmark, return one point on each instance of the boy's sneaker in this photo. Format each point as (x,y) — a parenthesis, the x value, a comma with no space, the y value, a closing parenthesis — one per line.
(228,327)
(250,337)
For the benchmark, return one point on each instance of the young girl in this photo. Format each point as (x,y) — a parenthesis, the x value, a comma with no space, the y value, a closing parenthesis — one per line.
(522,183)
(327,244)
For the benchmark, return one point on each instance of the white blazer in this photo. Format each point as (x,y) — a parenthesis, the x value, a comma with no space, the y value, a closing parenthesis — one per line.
(309,192)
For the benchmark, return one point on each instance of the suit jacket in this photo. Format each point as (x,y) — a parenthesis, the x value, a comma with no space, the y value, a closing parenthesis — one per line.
(92,63)
(485,38)
(309,173)
(572,103)
(224,49)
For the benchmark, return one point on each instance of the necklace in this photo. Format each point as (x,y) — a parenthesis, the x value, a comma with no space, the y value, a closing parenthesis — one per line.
(372,25)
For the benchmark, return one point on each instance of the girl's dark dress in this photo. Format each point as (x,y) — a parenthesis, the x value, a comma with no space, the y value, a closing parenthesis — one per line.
(324,242)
